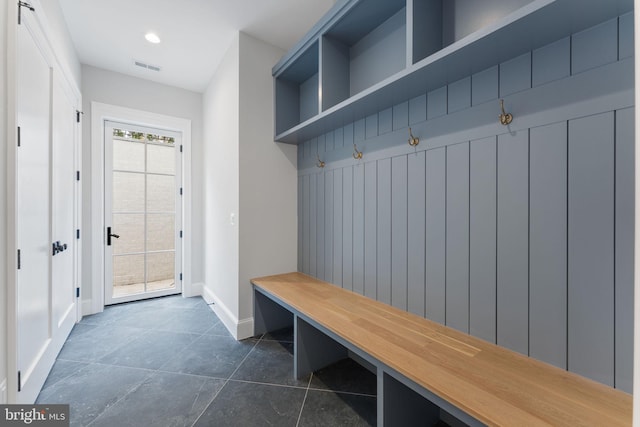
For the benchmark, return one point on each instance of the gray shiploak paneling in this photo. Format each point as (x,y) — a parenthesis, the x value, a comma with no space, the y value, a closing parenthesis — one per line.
(484,86)
(337,227)
(328,226)
(399,232)
(459,95)
(515,75)
(306,214)
(457,297)
(522,236)
(482,238)
(548,244)
(385,121)
(300,222)
(594,47)
(625,214)
(416,233)
(552,62)
(401,115)
(313,224)
(513,242)
(384,256)
(435,226)
(320,232)
(347,228)
(358,229)
(370,229)
(418,109)
(591,247)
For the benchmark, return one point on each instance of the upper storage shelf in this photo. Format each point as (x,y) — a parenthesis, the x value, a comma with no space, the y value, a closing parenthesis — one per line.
(368,55)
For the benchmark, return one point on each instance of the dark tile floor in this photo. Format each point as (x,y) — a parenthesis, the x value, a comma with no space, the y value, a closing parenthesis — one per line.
(171,362)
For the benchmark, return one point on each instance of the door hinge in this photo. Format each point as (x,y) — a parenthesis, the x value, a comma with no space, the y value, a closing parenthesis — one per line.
(181,277)
(77,292)
(78,113)
(181,148)
(19,381)
(19,259)
(78,234)
(181,234)
(181,191)
(77,175)
(18,136)
(22,4)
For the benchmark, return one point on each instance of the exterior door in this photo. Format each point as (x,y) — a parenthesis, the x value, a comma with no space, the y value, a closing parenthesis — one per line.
(45,288)
(143,213)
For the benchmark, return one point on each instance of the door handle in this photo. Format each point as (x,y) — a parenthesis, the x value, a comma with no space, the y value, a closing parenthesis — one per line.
(110,235)
(57,247)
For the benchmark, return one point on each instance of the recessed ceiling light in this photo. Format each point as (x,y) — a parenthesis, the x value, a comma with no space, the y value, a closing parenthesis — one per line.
(152,38)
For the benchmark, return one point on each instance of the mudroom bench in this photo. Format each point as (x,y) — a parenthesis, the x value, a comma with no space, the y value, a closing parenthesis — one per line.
(423,367)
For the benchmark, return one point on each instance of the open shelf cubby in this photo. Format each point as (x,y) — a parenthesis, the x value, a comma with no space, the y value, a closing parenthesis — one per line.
(367,45)
(297,90)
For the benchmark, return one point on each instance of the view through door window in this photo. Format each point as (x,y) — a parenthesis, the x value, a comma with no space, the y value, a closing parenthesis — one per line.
(144,213)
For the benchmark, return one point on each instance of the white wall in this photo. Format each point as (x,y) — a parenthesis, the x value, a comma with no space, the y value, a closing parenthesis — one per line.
(61,39)
(118,89)
(268,176)
(3,191)
(247,175)
(221,188)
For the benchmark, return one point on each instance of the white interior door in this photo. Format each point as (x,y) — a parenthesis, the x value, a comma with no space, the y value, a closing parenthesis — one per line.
(143,213)
(64,239)
(33,207)
(45,307)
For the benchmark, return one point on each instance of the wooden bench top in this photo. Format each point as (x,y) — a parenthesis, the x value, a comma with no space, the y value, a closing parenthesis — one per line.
(493,384)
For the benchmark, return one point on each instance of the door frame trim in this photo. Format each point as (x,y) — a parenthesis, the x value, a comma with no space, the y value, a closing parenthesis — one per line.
(100,113)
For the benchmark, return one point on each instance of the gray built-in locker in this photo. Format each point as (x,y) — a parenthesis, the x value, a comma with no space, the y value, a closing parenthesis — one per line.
(521,235)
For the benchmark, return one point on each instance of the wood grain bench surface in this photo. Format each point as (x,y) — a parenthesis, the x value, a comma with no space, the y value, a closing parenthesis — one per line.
(495,385)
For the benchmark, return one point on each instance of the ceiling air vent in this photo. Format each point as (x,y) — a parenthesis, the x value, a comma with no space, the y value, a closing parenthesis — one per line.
(147,66)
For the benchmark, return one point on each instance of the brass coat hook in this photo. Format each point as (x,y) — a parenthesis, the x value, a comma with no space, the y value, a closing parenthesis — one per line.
(505,118)
(320,163)
(413,141)
(356,154)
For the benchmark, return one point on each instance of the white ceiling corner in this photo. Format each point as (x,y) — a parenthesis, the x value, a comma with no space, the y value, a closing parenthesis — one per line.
(195,34)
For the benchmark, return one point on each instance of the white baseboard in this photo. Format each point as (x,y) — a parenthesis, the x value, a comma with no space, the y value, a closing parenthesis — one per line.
(87,307)
(207,295)
(239,329)
(245,328)
(194,290)
(3,392)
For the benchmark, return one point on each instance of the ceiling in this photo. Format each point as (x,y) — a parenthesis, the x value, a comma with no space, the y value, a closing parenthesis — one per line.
(195,34)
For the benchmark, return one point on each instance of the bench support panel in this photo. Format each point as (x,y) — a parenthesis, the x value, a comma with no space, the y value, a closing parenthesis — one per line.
(268,315)
(313,350)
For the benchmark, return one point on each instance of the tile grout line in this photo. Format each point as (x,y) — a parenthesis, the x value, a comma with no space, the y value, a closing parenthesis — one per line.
(150,372)
(304,400)
(123,397)
(226,381)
